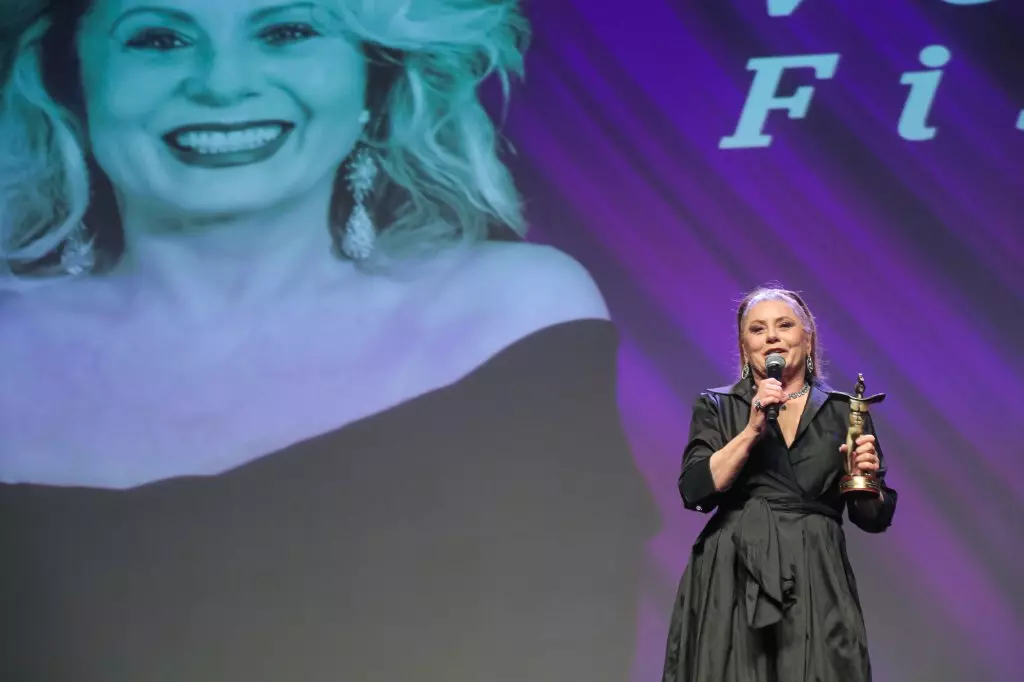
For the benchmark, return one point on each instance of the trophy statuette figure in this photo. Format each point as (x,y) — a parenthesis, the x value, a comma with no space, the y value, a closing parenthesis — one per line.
(854,482)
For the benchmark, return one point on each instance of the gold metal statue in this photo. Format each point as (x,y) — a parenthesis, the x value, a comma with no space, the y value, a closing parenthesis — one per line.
(854,482)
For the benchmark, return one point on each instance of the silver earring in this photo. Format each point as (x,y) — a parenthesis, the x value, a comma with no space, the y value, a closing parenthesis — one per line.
(810,366)
(360,233)
(77,255)
(746,371)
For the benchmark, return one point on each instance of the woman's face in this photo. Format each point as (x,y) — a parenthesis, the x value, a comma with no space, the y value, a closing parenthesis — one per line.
(773,326)
(219,106)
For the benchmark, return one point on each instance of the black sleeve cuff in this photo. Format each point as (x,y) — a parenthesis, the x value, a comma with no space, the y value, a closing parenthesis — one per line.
(697,486)
(880,520)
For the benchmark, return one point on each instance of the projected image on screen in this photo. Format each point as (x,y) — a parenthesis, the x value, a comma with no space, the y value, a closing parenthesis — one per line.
(285,396)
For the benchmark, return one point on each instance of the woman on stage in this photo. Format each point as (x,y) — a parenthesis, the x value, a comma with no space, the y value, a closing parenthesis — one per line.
(769,593)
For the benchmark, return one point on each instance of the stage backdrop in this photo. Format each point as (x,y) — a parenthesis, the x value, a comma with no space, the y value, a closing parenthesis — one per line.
(867,153)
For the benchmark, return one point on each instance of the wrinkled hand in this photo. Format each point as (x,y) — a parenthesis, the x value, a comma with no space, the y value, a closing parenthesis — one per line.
(865,457)
(769,392)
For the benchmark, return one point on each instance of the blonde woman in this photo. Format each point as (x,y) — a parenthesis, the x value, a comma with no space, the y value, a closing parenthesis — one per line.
(769,594)
(285,396)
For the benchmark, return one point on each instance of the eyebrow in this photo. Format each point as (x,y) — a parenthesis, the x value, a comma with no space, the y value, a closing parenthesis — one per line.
(168,11)
(263,13)
(180,15)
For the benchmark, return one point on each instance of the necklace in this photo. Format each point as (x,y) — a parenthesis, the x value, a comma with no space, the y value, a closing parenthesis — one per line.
(794,396)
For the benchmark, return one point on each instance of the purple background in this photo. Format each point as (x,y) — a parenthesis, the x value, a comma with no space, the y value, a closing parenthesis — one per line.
(910,253)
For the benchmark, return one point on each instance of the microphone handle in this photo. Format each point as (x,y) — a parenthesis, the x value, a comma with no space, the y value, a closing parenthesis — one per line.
(771,413)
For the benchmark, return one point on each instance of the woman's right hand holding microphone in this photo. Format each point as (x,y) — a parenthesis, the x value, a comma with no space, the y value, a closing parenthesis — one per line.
(769,392)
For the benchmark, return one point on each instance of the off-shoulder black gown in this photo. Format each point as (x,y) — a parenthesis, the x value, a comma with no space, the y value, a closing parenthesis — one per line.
(769,594)
(490,531)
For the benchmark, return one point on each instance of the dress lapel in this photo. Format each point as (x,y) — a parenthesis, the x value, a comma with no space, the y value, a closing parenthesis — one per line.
(819,395)
(815,401)
(743,389)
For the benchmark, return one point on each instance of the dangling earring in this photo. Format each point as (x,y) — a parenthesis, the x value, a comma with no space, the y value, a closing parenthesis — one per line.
(810,366)
(360,232)
(77,256)
(745,373)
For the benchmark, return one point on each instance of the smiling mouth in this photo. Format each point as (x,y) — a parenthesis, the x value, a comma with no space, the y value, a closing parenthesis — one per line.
(774,351)
(212,139)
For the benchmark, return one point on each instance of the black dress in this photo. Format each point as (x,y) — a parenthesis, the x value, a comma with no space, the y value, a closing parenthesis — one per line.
(769,594)
(490,531)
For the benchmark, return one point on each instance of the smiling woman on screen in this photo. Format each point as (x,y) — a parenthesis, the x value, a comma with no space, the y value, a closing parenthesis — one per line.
(285,396)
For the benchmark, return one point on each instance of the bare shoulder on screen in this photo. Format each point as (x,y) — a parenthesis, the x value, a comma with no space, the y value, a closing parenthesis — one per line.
(503,292)
(531,284)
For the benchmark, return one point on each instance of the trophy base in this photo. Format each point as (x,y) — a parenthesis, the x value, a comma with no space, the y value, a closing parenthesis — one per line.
(859,485)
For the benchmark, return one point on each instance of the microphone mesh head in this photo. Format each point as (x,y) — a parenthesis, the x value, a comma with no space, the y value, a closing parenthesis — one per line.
(775,361)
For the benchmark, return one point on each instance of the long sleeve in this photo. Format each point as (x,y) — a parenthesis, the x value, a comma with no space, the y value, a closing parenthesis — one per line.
(696,485)
(879,518)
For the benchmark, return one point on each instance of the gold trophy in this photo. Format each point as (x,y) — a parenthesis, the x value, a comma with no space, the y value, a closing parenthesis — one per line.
(854,482)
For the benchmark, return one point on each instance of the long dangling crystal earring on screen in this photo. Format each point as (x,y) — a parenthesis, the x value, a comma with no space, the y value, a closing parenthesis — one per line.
(810,366)
(77,256)
(360,233)
(745,374)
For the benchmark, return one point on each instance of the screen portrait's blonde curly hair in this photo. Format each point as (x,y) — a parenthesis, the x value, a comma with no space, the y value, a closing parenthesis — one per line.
(442,180)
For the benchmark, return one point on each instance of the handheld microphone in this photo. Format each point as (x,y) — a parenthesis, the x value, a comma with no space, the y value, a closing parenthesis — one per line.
(773,367)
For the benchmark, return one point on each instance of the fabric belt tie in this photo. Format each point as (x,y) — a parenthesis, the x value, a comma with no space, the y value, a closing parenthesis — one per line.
(768,588)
